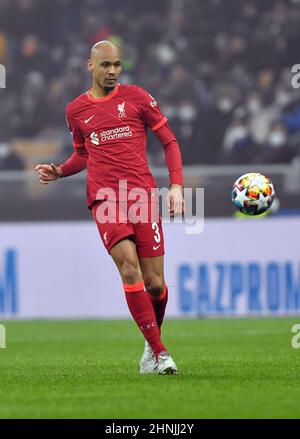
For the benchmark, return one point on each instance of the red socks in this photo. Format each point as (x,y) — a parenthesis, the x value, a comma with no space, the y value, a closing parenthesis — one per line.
(142,311)
(159,304)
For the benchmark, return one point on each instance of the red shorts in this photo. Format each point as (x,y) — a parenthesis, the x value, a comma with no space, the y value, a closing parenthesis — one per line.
(117,221)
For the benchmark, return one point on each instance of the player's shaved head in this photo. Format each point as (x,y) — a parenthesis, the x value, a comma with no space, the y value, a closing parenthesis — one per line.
(105,66)
(104,48)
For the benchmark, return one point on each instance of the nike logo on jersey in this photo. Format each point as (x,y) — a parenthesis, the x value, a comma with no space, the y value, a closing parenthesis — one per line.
(87,120)
(155,247)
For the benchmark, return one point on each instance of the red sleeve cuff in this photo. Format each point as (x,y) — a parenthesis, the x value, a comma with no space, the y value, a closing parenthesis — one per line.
(73,165)
(172,153)
(176,177)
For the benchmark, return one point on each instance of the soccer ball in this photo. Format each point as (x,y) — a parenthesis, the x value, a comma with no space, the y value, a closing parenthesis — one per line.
(253,193)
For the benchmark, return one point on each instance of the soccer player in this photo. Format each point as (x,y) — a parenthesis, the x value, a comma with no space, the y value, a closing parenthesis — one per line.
(109,128)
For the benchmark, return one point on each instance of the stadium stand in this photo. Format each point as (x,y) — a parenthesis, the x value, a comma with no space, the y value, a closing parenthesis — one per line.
(221,71)
(215,67)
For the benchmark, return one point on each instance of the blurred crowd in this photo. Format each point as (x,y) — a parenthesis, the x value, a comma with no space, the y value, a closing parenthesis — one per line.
(220,69)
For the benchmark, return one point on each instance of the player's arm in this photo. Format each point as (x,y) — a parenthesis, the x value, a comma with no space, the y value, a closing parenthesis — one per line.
(74,164)
(168,140)
(158,123)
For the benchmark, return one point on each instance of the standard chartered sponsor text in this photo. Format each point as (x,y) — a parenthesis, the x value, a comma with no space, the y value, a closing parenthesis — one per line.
(116,133)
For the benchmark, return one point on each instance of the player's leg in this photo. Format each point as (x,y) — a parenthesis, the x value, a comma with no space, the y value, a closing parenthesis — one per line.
(123,251)
(125,257)
(153,275)
(150,249)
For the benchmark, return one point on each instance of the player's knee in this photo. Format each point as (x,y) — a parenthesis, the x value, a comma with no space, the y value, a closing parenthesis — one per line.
(155,286)
(130,273)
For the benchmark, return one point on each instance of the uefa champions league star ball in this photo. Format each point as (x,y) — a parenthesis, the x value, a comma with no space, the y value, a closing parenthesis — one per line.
(253,193)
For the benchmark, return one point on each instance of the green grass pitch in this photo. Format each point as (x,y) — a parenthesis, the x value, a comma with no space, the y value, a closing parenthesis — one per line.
(231,368)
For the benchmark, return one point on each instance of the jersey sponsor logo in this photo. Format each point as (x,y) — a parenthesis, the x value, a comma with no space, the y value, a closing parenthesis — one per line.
(87,120)
(116,133)
(94,138)
(121,110)
(153,103)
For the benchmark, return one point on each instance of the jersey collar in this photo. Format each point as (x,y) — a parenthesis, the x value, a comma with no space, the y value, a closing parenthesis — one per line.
(105,98)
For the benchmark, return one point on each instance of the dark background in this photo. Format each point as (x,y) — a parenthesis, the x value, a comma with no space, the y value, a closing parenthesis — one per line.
(220,69)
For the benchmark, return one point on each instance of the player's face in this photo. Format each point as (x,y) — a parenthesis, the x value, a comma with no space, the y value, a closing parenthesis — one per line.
(106,70)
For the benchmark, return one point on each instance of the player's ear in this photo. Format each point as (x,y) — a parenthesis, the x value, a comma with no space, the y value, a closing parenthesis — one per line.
(90,66)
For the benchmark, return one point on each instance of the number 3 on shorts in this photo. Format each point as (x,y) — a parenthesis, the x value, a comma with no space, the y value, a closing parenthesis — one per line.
(156,232)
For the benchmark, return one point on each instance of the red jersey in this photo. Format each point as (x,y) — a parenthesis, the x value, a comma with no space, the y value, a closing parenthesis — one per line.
(113,132)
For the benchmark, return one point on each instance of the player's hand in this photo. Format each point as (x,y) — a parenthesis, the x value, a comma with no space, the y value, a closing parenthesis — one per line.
(48,173)
(175,200)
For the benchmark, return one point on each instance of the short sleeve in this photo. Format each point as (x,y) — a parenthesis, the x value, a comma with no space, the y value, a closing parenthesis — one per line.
(78,139)
(151,112)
